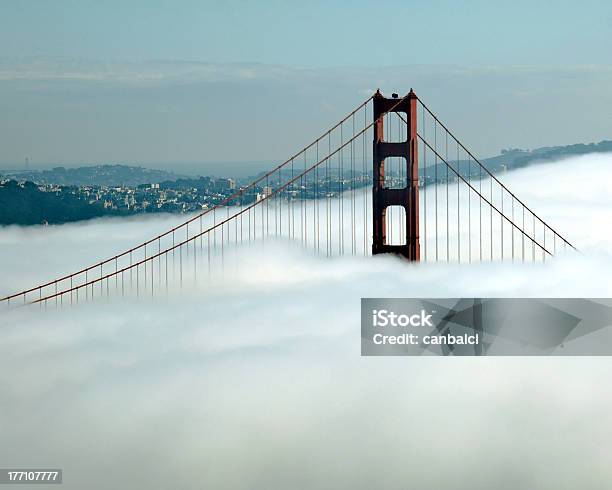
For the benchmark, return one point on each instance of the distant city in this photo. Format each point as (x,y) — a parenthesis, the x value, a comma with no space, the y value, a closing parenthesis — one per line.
(62,195)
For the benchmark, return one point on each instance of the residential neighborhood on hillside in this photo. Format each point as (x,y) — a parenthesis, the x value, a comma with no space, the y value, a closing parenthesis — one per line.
(63,194)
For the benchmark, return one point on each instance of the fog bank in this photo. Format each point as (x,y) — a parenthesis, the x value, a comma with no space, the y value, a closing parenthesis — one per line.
(253,378)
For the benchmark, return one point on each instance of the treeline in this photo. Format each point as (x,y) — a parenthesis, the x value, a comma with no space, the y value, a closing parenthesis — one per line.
(559,152)
(25,204)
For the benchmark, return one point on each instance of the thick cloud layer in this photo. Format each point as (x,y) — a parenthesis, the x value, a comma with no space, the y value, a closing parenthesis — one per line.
(253,379)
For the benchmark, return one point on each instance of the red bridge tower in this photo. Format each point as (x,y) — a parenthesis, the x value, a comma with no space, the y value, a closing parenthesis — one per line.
(407,197)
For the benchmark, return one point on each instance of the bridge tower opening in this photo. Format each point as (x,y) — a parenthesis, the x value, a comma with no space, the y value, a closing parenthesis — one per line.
(408,196)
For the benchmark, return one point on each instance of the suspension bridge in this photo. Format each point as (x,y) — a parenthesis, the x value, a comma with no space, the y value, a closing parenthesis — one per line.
(389,177)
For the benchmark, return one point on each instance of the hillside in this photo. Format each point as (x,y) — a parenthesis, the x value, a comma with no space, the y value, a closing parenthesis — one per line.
(100,175)
(25,204)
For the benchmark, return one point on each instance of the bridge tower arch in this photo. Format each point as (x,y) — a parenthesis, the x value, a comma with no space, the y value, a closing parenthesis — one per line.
(407,197)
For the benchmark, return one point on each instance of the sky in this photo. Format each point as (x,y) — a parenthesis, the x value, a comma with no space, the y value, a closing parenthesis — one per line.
(236,384)
(312,34)
(166,83)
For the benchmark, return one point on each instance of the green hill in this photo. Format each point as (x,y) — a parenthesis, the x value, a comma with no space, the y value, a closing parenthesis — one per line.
(25,204)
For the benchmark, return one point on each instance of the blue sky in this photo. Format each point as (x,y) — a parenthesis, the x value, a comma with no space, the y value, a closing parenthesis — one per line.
(314,33)
(147,81)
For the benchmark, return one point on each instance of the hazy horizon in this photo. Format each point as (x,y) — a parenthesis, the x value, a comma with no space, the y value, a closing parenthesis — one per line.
(154,83)
(217,169)
(244,168)
(70,112)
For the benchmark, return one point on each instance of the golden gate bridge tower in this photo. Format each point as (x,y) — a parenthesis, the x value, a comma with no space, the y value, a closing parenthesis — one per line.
(406,197)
